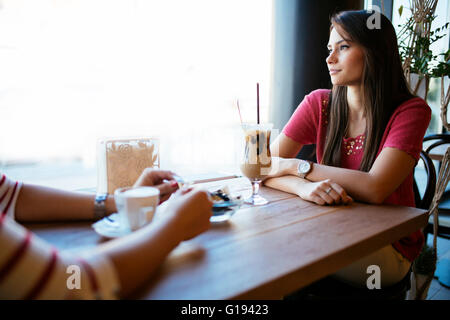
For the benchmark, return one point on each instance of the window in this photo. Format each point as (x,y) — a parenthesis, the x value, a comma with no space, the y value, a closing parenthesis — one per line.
(434,95)
(77,71)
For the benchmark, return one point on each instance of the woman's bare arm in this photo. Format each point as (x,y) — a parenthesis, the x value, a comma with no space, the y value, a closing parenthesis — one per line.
(389,170)
(137,256)
(38,203)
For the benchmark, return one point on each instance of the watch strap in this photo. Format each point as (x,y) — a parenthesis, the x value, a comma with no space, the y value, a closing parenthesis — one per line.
(100,206)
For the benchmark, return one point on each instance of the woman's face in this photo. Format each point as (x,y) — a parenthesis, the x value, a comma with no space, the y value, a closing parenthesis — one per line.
(345,60)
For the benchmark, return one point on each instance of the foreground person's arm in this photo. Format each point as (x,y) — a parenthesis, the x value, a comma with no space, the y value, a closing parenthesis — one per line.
(31,268)
(137,256)
(37,203)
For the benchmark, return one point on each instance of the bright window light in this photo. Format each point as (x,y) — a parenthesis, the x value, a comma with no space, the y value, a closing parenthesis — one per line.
(73,72)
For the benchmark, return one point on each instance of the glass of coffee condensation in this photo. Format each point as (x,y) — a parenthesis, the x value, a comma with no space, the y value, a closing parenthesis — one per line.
(256,161)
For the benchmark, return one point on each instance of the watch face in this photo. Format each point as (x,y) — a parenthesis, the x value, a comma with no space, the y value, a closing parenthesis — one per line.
(304,167)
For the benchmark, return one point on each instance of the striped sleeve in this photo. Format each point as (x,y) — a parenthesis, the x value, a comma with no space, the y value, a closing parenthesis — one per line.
(30,268)
(9,191)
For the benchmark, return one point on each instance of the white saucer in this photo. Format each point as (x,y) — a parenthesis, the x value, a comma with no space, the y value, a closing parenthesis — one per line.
(224,211)
(109,227)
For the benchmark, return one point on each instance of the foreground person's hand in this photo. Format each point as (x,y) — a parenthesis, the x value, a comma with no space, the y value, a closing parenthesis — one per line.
(190,211)
(138,255)
(161,179)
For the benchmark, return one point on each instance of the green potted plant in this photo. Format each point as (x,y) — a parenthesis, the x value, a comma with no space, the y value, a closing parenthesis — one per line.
(419,63)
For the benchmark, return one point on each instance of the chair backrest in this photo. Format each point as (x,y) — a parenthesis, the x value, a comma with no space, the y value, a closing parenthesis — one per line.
(440,140)
(425,201)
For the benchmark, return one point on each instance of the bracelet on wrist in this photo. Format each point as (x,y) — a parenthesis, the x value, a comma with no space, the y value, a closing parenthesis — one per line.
(100,206)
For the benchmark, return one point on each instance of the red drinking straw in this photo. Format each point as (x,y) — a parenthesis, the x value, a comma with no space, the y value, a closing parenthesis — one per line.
(239,110)
(257,101)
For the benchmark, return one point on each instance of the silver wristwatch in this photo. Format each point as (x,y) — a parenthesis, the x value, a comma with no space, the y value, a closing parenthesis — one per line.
(304,167)
(100,206)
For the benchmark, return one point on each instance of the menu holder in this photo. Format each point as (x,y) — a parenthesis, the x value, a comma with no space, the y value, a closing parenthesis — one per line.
(120,162)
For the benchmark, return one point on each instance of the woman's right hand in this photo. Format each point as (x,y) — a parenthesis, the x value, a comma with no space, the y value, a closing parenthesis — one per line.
(160,179)
(324,192)
(190,210)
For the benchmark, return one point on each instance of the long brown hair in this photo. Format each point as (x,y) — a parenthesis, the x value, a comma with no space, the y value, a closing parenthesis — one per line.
(383,85)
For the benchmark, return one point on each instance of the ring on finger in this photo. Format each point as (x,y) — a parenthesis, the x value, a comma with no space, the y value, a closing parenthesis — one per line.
(328,190)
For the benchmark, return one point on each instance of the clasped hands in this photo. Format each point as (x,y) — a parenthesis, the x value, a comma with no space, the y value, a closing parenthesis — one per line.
(320,192)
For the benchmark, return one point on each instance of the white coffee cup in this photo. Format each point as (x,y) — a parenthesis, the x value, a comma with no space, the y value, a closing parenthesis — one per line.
(136,206)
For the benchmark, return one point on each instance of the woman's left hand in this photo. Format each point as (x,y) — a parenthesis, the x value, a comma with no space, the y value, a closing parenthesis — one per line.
(161,179)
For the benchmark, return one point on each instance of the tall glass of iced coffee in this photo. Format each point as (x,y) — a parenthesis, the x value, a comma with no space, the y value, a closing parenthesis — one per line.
(256,161)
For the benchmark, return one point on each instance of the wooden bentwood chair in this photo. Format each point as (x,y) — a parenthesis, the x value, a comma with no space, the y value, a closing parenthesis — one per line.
(436,152)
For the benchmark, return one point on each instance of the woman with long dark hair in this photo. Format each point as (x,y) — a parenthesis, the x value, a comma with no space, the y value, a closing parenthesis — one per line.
(368,130)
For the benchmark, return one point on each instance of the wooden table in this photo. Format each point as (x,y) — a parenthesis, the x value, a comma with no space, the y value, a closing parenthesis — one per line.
(263,252)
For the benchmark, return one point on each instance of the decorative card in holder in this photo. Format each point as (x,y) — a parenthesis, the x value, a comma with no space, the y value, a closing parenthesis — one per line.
(120,162)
